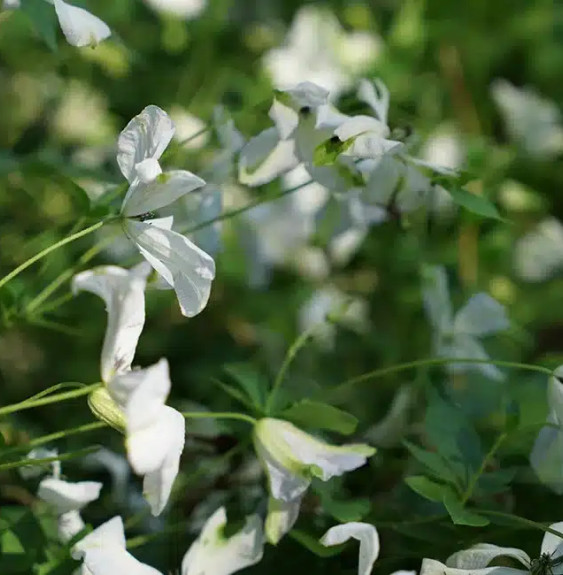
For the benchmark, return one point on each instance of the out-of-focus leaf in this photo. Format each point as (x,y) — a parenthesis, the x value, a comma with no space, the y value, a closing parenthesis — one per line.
(495,481)
(434,462)
(250,381)
(341,509)
(327,152)
(320,415)
(313,545)
(474,203)
(459,514)
(43,19)
(427,488)
(21,540)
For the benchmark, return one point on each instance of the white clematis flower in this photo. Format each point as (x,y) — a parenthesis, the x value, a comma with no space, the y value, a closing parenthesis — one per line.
(458,336)
(67,499)
(365,533)
(79,26)
(291,458)
(476,559)
(213,554)
(103,551)
(184,266)
(546,457)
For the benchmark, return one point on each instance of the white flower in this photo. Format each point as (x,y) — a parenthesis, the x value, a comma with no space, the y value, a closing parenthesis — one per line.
(538,255)
(213,554)
(532,121)
(103,551)
(123,292)
(291,458)
(365,533)
(187,9)
(184,266)
(458,336)
(318,50)
(476,559)
(79,26)
(67,499)
(31,471)
(546,457)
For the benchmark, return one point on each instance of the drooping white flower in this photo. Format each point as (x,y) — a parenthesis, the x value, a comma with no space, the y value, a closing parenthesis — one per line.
(478,560)
(365,533)
(214,554)
(546,457)
(291,458)
(318,50)
(538,255)
(103,551)
(531,120)
(458,336)
(184,266)
(79,26)
(67,499)
(187,9)
(123,292)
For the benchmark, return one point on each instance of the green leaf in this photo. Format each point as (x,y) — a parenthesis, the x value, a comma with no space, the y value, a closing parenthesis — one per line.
(474,203)
(459,514)
(309,413)
(343,510)
(327,152)
(250,381)
(312,544)
(427,488)
(495,481)
(434,462)
(21,540)
(43,19)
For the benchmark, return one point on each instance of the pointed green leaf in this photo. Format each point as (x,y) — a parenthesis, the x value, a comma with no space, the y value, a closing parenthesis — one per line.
(459,514)
(250,381)
(474,203)
(427,488)
(434,462)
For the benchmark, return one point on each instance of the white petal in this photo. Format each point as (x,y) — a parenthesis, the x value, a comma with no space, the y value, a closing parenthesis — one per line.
(123,292)
(551,543)
(79,26)
(546,457)
(281,517)
(466,346)
(64,496)
(307,94)
(115,560)
(356,125)
(265,157)
(187,268)
(285,118)
(436,297)
(212,554)
(70,524)
(376,95)
(365,533)
(164,190)
(481,315)
(168,437)
(145,136)
(555,393)
(369,145)
(480,556)
(432,567)
(108,534)
(141,393)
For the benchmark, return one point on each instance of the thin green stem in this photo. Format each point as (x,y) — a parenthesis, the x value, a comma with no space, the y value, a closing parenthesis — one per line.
(294,349)
(237,211)
(53,388)
(475,477)
(518,519)
(47,400)
(382,372)
(50,249)
(62,457)
(218,415)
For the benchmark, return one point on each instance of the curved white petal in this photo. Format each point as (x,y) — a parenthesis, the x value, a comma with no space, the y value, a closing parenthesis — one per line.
(436,297)
(307,94)
(213,554)
(145,136)
(365,533)
(281,517)
(285,119)
(109,533)
(555,393)
(376,95)
(481,315)
(479,556)
(551,543)
(123,292)
(64,496)
(432,567)
(356,125)
(79,26)
(546,457)
(164,190)
(69,525)
(115,560)
(467,347)
(184,266)
(265,157)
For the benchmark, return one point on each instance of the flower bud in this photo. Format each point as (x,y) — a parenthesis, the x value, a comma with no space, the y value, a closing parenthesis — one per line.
(104,407)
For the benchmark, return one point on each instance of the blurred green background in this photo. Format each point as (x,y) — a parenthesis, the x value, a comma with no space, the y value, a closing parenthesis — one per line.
(61,112)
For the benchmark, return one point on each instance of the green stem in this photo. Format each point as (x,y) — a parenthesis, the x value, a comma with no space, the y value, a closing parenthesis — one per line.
(294,349)
(62,457)
(47,400)
(475,477)
(382,372)
(53,388)
(237,211)
(218,415)
(50,249)
(520,520)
